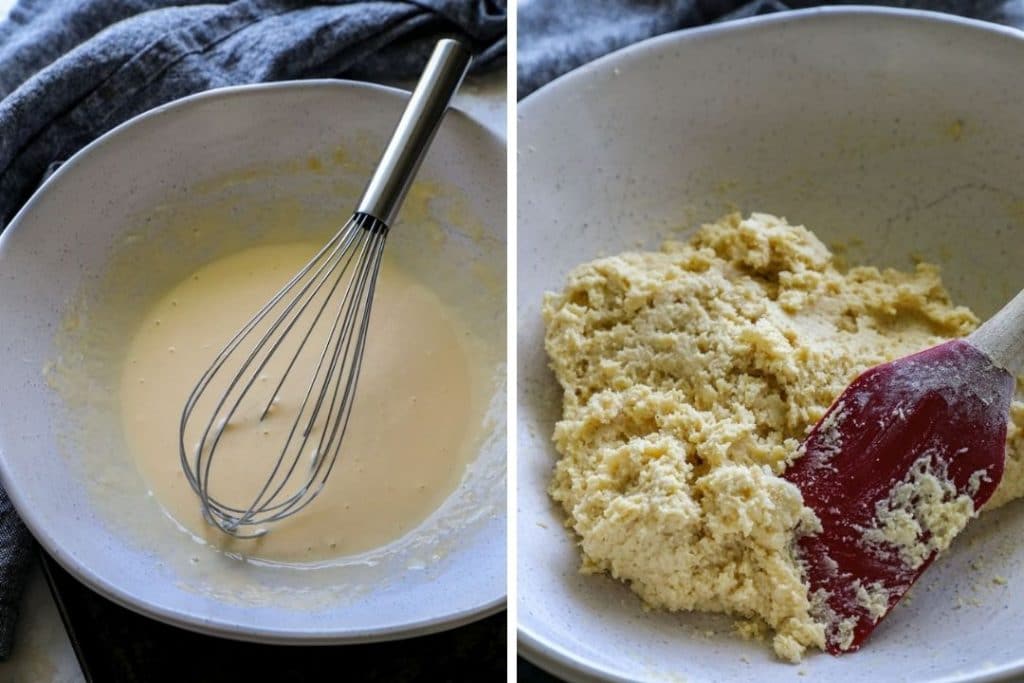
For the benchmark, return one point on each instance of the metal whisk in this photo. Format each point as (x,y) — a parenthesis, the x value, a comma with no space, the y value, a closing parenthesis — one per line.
(333,293)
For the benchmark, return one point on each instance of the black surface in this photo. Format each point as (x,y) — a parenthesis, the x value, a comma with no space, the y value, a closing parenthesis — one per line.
(528,673)
(116,644)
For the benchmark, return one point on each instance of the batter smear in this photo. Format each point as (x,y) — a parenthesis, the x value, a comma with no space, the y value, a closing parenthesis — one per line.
(690,376)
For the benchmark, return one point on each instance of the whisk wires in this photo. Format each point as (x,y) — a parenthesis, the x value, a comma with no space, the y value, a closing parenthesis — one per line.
(287,327)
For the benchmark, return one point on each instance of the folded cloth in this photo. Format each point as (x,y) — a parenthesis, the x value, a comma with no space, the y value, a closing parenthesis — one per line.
(70,71)
(15,558)
(556,36)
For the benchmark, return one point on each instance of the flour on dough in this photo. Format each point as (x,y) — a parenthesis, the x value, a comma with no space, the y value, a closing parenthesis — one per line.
(690,377)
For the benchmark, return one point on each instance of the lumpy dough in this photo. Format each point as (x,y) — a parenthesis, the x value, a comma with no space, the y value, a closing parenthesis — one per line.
(690,377)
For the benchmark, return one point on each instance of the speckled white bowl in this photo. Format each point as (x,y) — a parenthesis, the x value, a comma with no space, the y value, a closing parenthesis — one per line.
(60,243)
(902,129)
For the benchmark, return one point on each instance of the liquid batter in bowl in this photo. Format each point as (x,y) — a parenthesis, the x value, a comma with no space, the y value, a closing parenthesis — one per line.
(417,421)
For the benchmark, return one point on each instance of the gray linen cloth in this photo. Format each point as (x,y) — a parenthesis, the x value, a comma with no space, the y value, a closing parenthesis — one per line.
(556,36)
(71,70)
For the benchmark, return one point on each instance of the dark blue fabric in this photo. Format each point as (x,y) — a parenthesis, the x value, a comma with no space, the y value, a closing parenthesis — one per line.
(71,70)
(556,36)
(16,548)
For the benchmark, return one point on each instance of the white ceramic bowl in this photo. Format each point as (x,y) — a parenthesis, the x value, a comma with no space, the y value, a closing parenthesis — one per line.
(60,244)
(903,129)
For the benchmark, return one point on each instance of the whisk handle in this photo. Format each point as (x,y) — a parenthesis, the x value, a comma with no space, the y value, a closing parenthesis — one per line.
(415,130)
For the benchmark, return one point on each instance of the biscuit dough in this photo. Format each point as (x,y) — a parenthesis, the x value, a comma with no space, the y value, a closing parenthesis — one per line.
(690,377)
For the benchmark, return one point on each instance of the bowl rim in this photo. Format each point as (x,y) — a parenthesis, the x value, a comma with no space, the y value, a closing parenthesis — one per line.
(214,626)
(532,645)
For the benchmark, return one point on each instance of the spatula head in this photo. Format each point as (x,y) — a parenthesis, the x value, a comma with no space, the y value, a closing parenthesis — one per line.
(895,468)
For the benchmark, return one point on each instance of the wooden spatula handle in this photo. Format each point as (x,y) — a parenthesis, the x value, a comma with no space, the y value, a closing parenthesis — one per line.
(1001,337)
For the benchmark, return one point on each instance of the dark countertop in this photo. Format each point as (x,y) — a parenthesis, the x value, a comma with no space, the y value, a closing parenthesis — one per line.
(116,644)
(528,673)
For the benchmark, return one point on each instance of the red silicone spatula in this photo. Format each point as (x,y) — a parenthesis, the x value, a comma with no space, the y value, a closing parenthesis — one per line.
(890,467)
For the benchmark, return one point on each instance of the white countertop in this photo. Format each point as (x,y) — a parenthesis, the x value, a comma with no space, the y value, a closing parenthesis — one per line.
(42,651)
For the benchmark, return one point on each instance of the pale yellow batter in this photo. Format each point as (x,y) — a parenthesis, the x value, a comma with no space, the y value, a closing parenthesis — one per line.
(417,421)
(690,376)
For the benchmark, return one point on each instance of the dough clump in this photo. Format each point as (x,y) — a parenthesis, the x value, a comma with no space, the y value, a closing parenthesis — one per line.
(690,377)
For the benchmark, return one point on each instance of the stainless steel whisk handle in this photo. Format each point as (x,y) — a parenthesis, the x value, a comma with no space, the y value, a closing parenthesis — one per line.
(415,130)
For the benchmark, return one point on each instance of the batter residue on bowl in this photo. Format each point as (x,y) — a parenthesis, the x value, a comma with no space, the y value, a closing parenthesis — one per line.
(690,377)
(418,415)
